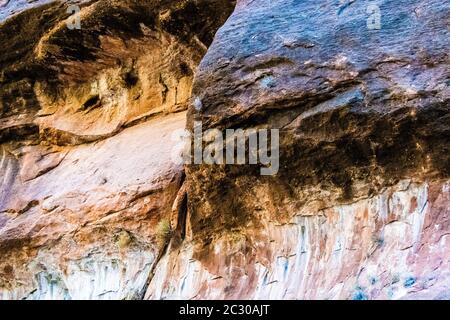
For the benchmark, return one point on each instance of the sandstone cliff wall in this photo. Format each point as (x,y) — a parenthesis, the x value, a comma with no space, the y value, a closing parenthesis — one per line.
(93,207)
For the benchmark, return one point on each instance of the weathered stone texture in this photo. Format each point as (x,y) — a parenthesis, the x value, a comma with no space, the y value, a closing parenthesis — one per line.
(92,207)
(86,124)
(360,112)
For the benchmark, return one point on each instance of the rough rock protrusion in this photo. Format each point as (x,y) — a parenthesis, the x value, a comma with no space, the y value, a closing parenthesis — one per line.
(359,208)
(86,122)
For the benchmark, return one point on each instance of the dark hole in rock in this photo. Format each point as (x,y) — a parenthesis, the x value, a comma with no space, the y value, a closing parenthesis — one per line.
(8,269)
(185,69)
(130,79)
(92,103)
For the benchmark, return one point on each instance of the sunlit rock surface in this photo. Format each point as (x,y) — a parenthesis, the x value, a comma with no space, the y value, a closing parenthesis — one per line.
(390,246)
(86,124)
(92,218)
(9,8)
(359,208)
(93,207)
(97,277)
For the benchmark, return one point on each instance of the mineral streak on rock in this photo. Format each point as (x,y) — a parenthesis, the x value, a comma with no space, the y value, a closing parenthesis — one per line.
(92,207)
(390,246)
(360,112)
(86,118)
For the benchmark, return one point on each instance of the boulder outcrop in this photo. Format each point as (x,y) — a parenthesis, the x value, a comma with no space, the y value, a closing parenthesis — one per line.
(93,207)
(86,123)
(359,208)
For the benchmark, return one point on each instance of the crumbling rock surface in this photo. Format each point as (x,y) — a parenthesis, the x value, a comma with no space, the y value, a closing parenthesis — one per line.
(92,207)
(359,208)
(390,246)
(86,123)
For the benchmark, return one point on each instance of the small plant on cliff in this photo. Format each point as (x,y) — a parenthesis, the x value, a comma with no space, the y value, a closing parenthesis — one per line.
(123,239)
(163,232)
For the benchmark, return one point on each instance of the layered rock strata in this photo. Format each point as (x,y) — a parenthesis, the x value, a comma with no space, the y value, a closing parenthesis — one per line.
(87,117)
(359,208)
(93,207)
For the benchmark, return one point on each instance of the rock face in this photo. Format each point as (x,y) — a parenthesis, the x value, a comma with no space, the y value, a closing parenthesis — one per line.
(359,208)
(86,123)
(390,246)
(92,207)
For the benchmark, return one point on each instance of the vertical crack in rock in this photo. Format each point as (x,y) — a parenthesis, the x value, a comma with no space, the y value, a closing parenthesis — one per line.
(92,207)
(176,233)
(363,117)
(86,119)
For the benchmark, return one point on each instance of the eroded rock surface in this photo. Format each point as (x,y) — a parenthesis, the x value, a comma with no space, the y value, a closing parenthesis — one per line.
(92,207)
(359,208)
(86,123)
(390,246)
